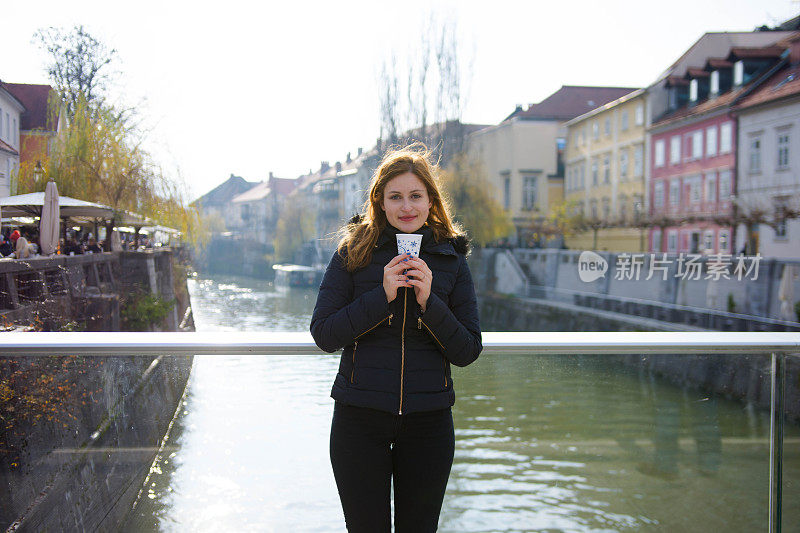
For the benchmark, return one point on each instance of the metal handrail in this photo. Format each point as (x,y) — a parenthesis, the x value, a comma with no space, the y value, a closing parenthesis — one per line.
(779,345)
(289,343)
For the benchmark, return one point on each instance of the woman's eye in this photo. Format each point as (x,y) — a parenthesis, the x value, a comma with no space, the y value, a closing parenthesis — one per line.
(416,196)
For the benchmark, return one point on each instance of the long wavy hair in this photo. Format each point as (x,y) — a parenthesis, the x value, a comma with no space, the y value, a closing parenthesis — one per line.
(358,238)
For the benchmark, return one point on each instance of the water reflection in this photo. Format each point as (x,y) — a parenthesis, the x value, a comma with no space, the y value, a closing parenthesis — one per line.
(544,443)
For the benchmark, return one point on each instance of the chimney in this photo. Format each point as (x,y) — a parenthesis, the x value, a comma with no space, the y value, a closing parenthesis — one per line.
(360,151)
(339,164)
(348,157)
(271,176)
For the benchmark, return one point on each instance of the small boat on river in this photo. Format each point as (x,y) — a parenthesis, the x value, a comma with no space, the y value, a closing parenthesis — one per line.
(297,276)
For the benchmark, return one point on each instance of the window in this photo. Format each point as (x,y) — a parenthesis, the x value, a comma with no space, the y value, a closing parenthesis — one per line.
(674,191)
(594,171)
(660,153)
(606,209)
(658,194)
(726,138)
(755,155)
(623,164)
(783,151)
(738,73)
(693,91)
(672,240)
(675,150)
(507,192)
(529,193)
(583,175)
(708,240)
(595,130)
(781,204)
(593,206)
(711,188)
(638,160)
(624,120)
(639,115)
(723,241)
(623,208)
(607,126)
(724,185)
(714,82)
(697,145)
(14,136)
(606,168)
(8,127)
(656,241)
(637,206)
(695,192)
(711,141)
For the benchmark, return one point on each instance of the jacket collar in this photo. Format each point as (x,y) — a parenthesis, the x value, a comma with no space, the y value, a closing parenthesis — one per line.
(389,233)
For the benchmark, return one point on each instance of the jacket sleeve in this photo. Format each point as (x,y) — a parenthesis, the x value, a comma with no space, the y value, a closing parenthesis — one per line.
(456,328)
(338,319)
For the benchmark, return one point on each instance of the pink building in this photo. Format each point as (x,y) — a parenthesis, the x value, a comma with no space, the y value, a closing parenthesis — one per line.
(693,151)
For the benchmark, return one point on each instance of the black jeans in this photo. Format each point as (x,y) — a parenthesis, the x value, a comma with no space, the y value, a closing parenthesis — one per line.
(370,448)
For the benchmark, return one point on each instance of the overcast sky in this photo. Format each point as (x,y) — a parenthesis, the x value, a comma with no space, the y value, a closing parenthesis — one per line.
(235,88)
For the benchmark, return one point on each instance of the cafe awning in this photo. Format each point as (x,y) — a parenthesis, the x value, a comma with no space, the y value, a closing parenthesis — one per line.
(30,205)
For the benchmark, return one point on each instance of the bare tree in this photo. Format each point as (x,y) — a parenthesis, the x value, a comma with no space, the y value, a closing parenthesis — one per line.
(80,65)
(389,101)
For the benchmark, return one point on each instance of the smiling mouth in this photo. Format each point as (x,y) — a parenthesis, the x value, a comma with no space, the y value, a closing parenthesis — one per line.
(406,219)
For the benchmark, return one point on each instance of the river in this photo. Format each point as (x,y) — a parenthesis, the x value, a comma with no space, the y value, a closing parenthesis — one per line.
(543,443)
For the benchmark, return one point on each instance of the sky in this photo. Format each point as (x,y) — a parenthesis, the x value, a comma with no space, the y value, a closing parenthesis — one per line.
(248,88)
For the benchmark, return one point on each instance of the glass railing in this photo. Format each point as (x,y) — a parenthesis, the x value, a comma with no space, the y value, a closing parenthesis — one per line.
(554,431)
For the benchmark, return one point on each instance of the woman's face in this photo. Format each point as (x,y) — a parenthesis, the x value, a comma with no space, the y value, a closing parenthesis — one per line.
(406,202)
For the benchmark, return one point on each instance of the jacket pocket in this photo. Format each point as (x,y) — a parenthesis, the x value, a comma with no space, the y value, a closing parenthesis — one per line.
(444,365)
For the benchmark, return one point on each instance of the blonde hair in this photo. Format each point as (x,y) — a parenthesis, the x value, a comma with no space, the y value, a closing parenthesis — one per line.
(358,238)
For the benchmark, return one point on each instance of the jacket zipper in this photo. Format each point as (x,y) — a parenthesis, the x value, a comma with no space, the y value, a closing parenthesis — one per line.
(353,372)
(402,350)
(420,323)
(376,325)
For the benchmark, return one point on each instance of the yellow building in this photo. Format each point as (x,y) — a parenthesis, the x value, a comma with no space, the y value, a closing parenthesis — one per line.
(523,155)
(606,159)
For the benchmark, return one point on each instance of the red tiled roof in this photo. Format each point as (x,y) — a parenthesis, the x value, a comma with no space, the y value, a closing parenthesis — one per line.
(283,186)
(723,100)
(571,101)
(7,148)
(35,99)
(746,52)
(782,84)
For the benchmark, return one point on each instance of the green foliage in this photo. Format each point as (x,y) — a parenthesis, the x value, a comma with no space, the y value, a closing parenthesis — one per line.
(797,310)
(731,303)
(295,226)
(472,205)
(143,310)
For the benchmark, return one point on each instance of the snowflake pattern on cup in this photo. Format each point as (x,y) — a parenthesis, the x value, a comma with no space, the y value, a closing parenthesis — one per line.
(409,243)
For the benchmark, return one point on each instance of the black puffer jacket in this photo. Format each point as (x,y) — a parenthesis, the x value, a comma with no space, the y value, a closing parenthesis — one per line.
(396,358)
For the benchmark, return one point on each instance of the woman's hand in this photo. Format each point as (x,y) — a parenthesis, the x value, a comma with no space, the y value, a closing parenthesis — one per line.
(393,277)
(420,278)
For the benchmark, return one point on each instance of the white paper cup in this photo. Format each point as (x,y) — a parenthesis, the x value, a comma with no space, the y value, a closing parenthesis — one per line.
(409,243)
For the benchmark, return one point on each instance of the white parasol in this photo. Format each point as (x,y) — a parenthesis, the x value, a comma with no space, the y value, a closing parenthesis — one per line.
(786,294)
(49,222)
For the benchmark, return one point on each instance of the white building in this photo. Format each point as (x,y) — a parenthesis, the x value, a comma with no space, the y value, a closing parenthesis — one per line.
(10,111)
(768,164)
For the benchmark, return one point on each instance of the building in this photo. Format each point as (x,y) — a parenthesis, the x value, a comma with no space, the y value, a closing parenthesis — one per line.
(11,109)
(693,143)
(217,205)
(255,212)
(523,155)
(40,122)
(768,161)
(604,178)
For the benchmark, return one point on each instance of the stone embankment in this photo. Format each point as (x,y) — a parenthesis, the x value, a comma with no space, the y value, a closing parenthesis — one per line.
(79,434)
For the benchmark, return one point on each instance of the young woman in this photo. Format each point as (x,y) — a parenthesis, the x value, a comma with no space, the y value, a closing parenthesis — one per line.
(402,322)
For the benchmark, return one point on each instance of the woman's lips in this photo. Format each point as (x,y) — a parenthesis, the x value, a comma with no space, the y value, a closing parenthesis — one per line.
(406,219)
